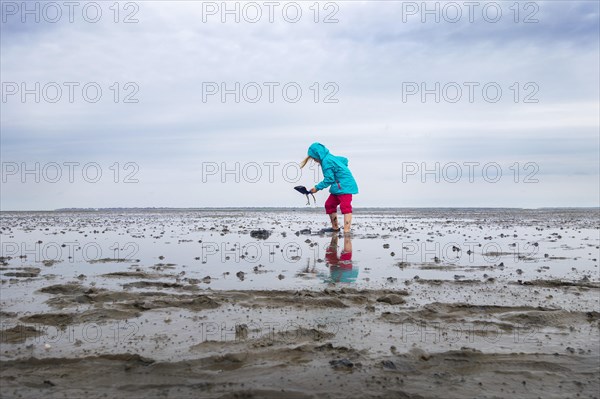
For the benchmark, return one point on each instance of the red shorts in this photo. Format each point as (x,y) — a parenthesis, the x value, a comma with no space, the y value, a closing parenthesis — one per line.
(344,261)
(343,200)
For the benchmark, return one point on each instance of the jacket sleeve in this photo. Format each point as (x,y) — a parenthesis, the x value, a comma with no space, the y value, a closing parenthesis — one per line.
(328,179)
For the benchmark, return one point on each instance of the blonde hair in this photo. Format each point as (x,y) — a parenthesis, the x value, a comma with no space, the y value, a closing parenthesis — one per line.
(305,161)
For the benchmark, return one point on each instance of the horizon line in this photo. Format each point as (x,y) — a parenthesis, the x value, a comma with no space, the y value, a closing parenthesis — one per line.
(99,209)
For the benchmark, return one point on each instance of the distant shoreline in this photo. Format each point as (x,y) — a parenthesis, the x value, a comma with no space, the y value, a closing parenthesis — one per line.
(296,209)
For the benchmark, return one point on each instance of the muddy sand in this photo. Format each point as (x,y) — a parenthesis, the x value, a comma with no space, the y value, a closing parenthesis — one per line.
(331,343)
(147,328)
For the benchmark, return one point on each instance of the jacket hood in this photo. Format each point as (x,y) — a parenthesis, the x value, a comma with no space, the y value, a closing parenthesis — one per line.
(317,151)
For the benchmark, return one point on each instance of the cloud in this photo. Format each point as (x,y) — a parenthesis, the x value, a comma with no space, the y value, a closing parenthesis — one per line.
(367,62)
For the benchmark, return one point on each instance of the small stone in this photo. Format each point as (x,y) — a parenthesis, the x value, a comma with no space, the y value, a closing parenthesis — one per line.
(260,234)
(388,365)
(341,364)
(241,331)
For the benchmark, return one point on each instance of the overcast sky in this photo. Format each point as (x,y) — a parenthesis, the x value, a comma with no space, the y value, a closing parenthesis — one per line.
(162,134)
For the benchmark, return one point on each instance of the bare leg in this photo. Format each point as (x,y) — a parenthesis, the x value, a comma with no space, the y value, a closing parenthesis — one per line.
(334,243)
(347,222)
(334,221)
(347,243)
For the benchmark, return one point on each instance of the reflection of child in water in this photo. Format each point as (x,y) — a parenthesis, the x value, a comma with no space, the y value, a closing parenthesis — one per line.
(340,268)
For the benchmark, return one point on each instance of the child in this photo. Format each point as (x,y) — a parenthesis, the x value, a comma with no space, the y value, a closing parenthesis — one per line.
(337,175)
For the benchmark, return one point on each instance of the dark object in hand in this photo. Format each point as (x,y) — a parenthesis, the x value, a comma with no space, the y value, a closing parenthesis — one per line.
(303,190)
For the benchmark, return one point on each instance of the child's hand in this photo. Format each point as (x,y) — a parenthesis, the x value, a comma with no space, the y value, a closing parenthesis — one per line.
(313,190)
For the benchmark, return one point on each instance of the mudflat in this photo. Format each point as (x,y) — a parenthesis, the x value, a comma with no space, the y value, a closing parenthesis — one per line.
(430,304)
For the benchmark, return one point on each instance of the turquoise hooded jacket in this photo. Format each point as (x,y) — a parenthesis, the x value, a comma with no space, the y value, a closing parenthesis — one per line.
(335,171)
